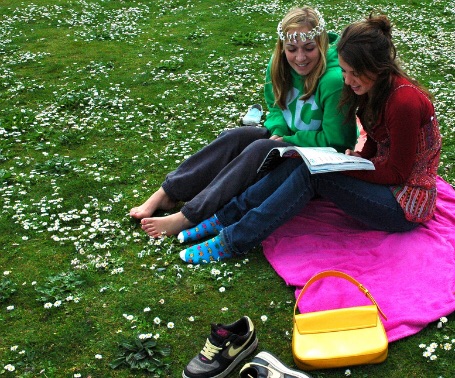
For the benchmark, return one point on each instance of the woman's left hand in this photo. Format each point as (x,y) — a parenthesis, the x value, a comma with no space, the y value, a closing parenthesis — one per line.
(352,153)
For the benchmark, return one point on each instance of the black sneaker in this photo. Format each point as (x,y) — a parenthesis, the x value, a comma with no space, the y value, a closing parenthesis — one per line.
(226,346)
(266,365)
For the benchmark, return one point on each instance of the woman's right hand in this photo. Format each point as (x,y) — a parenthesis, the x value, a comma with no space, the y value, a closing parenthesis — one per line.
(276,137)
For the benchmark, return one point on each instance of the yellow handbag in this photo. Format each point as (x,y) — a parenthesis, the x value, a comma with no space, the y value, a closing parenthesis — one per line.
(340,337)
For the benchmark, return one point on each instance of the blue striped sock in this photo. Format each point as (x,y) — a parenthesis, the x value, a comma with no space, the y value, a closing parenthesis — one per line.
(209,227)
(211,250)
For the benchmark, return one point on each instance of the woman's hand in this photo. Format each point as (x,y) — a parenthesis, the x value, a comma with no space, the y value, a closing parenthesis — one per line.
(352,153)
(276,137)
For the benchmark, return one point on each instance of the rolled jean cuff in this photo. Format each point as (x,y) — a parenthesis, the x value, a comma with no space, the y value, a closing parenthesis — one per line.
(224,221)
(231,249)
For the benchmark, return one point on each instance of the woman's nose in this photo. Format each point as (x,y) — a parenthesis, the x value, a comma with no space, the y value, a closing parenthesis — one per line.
(301,56)
(347,79)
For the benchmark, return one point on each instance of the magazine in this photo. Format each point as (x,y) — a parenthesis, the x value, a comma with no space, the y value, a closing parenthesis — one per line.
(318,159)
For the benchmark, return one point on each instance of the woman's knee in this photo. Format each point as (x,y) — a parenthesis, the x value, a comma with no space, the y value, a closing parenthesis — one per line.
(245,134)
(261,147)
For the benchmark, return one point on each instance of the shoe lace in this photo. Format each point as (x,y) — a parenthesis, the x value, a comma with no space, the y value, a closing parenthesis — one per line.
(209,350)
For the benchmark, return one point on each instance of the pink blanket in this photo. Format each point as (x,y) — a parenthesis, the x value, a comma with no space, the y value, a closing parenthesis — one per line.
(411,275)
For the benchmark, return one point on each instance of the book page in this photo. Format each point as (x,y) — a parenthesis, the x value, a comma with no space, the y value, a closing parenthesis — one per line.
(319,157)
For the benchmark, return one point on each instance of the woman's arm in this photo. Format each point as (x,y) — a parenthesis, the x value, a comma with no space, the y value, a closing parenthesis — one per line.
(334,130)
(403,118)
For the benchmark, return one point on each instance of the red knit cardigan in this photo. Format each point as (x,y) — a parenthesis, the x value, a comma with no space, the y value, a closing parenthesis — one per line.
(405,146)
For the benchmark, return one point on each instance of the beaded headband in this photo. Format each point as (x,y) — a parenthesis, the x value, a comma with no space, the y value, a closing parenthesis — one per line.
(317,30)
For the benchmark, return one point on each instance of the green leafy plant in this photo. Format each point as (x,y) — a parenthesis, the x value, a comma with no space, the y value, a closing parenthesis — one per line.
(59,287)
(247,39)
(56,165)
(70,138)
(172,64)
(74,99)
(4,175)
(7,288)
(197,35)
(17,359)
(142,354)
(2,156)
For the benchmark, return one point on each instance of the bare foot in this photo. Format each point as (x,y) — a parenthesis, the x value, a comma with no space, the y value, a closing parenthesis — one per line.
(168,225)
(157,201)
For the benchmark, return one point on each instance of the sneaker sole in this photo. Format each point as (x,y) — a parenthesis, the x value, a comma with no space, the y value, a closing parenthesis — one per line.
(250,123)
(234,363)
(275,363)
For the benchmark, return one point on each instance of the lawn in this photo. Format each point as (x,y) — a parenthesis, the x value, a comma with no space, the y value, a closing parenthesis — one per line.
(98,101)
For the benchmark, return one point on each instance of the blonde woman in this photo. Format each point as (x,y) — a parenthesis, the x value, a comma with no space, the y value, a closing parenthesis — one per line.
(302,91)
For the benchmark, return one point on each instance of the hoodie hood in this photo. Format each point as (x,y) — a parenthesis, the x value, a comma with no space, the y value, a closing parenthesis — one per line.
(332,54)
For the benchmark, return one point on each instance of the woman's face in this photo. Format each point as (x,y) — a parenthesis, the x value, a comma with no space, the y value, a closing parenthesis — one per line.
(360,84)
(301,56)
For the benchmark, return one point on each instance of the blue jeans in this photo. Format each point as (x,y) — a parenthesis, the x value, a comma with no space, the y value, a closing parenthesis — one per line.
(252,216)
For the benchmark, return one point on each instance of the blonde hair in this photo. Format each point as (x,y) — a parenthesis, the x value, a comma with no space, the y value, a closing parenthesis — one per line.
(297,18)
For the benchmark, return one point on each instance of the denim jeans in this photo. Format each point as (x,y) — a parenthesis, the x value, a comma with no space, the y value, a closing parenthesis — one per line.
(211,177)
(252,216)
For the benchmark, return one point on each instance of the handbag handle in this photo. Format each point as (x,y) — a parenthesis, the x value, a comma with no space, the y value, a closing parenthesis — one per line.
(335,273)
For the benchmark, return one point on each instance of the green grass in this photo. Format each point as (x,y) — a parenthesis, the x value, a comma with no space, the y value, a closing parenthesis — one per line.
(98,101)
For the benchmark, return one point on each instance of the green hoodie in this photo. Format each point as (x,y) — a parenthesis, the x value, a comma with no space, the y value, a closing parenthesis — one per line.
(316,122)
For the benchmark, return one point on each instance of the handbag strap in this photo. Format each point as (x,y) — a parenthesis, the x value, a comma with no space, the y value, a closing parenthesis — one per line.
(335,273)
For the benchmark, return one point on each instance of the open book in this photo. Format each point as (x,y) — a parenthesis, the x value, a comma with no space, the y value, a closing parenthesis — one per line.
(318,159)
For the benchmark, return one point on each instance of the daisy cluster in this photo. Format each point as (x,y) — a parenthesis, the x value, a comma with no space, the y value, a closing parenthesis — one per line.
(88,20)
(163,250)
(444,346)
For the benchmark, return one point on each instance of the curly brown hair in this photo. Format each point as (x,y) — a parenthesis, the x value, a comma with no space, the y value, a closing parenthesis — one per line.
(367,47)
